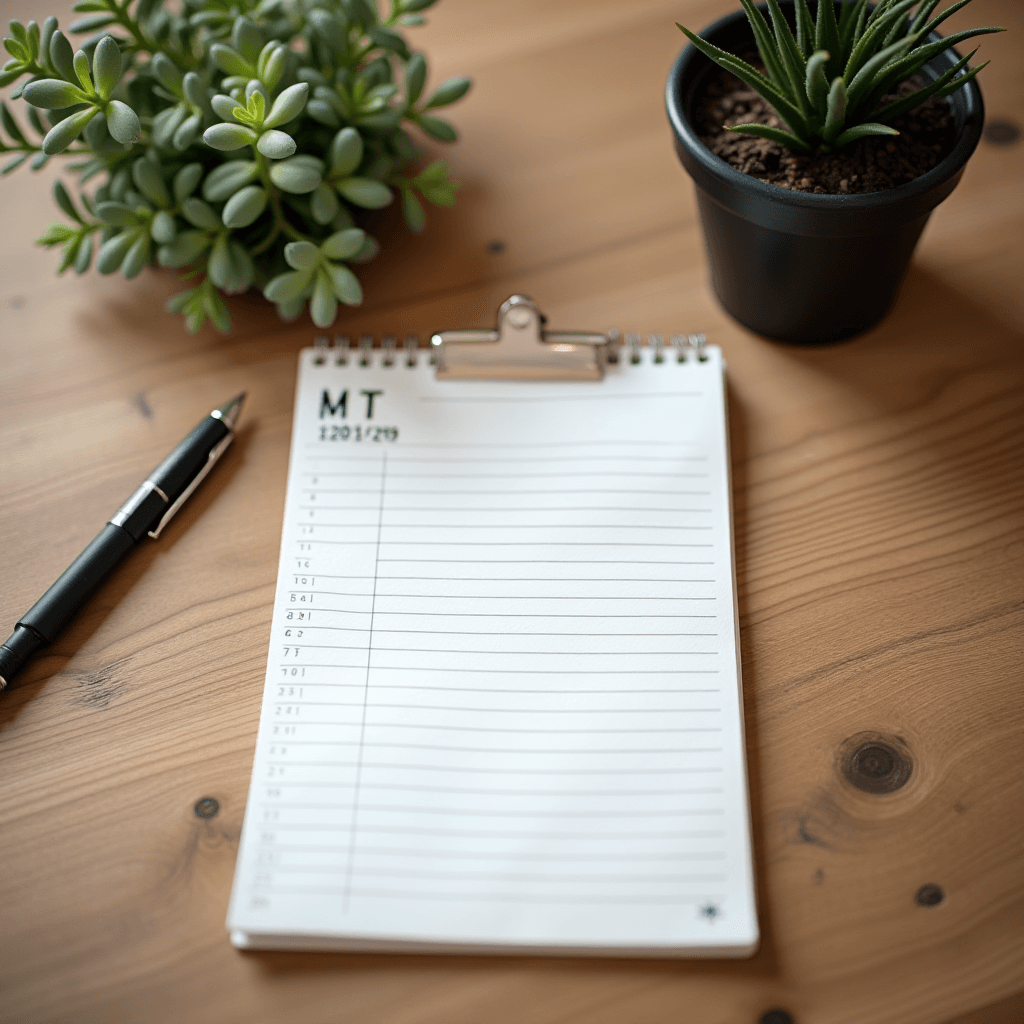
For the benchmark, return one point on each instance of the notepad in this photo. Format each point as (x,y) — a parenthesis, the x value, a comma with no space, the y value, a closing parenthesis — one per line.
(503,708)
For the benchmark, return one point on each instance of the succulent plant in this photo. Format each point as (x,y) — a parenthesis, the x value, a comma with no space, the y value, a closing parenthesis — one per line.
(239,142)
(826,79)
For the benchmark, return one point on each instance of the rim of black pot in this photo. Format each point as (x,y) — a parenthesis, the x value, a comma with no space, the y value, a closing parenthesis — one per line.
(948,167)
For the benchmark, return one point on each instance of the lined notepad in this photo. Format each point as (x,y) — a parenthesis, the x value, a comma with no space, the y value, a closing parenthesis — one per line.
(503,707)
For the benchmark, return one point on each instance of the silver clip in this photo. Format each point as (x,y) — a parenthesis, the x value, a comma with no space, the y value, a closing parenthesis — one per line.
(388,344)
(215,453)
(410,344)
(341,346)
(678,342)
(320,342)
(633,342)
(519,349)
(699,343)
(657,342)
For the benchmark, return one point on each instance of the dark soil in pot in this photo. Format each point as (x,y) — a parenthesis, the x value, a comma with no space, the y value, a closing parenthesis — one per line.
(872,164)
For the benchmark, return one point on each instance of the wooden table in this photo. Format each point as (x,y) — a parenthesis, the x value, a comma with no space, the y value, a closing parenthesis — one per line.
(880,549)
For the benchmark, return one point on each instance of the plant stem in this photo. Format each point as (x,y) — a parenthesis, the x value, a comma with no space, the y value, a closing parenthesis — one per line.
(281,225)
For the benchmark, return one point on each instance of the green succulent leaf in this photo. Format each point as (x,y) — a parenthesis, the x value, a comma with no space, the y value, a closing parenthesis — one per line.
(436,128)
(149,181)
(447,93)
(415,78)
(344,284)
(163,228)
(764,131)
(63,199)
(186,248)
(186,180)
(62,57)
(346,152)
(123,122)
(365,192)
(229,266)
(224,181)
(861,130)
(200,214)
(228,137)
(288,286)
(288,105)
(817,83)
(276,145)
(113,251)
(56,234)
(226,107)
(323,204)
(244,206)
(412,210)
(53,94)
(137,256)
(342,245)
(297,175)
(166,73)
(106,66)
(301,255)
(231,62)
(63,133)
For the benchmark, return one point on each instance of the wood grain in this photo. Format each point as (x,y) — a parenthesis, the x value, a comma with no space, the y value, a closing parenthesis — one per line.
(880,543)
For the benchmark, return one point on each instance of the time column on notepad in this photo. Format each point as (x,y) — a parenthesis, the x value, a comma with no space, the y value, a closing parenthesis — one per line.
(322,651)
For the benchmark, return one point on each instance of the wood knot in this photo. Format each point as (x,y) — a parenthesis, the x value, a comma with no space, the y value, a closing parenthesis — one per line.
(929,895)
(206,808)
(875,763)
(775,1017)
(1001,133)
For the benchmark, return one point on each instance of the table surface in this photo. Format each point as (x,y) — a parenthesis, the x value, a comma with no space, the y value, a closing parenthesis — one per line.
(878,490)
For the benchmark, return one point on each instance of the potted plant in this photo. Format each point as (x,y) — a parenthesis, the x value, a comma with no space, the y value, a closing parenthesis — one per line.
(807,264)
(244,148)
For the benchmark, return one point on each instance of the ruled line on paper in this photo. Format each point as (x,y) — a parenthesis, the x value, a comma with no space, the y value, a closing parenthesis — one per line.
(366,691)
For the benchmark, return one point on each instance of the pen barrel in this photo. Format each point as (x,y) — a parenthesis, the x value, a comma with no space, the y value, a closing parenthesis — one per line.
(178,470)
(55,609)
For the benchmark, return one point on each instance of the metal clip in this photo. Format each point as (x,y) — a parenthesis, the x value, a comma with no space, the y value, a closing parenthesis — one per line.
(519,349)
(215,453)
(678,342)
(388,344)
(341,346)
(656,342)
(699,344)
(320,342)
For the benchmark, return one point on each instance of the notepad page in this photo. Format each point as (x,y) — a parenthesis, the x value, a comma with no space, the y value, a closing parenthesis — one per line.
(502,707)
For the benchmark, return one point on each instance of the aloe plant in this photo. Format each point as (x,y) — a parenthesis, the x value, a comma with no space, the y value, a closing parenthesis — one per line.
(234,141)
(826,79)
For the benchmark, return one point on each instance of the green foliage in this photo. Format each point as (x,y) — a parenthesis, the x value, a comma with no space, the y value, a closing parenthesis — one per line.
(864,53)
(235,141)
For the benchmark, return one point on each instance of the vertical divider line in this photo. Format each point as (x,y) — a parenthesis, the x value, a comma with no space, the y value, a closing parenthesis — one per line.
(366,696)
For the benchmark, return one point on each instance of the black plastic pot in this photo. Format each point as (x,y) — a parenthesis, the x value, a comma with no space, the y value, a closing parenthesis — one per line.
(797,267)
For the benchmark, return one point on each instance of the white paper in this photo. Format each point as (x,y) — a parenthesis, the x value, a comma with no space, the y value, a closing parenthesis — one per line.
(503,705)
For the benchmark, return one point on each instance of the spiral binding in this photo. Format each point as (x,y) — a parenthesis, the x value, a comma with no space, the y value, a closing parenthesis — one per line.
(338,350)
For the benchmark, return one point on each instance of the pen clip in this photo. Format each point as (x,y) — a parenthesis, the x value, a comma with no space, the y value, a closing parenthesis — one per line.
(215,453)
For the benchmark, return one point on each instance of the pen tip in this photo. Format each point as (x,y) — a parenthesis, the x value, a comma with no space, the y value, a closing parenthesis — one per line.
(228,413)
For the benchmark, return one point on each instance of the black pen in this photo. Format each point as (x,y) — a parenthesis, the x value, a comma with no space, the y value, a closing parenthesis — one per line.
(147,511)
